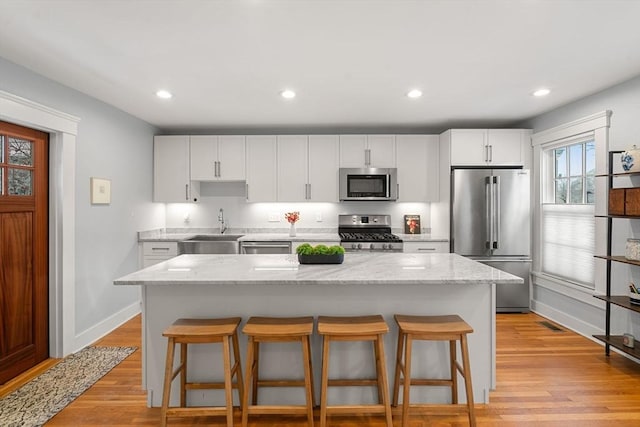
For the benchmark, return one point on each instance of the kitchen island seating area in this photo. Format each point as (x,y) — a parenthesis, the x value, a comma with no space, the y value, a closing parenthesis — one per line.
(259,330)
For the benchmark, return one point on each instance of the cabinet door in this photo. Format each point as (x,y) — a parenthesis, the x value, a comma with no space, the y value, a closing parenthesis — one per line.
(204,154)
(292,168)
(171,169)
(417,160)
(468,147)
(426,247)
(261,168)
(352,151)
(324,153)
(231,158)
(505,146)
(382,151)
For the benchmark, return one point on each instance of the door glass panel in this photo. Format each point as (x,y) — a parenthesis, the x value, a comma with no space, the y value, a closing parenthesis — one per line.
(20,182)
(1,181)
(20,152)
(1,148)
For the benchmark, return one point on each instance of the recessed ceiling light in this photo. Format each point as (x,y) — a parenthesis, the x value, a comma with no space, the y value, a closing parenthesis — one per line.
(164,94)
(415,93)
(288,94)
(542,92)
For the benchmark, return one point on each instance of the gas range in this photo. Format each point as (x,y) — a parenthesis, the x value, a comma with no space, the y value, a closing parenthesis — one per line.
(367,233)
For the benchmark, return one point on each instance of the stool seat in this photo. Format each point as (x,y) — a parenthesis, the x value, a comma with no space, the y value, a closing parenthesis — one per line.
(448,324)
(450,328)
(277,330)
(349,326)
(279,326)
(202,331)
(355,328)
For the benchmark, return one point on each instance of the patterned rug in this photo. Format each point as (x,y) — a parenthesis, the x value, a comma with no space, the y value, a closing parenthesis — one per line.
(40,399)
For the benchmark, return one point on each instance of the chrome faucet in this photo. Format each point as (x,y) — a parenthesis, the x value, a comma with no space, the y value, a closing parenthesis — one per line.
(223,226)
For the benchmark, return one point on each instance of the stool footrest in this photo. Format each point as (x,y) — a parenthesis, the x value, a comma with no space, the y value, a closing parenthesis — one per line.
(435,408)
(195,411)
(281,383)
(207,386)
(352,382)
(427,381)
(277,409)
(356,409)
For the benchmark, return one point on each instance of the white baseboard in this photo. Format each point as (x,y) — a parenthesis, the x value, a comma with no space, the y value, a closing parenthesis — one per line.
(570,322)
(101,329)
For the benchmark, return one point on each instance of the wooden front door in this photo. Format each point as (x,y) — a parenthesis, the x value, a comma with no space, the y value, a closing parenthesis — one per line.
(24,282)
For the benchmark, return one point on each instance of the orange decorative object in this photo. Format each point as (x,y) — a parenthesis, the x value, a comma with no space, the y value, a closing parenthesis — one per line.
(292,217)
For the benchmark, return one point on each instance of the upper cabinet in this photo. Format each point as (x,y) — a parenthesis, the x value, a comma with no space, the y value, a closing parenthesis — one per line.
(218,158)
(171,177)
(487,147)
(367,151)
(417,159)
(307,168)
(261,161)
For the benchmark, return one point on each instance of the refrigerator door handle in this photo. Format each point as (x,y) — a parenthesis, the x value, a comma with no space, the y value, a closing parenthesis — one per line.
(496,242)
(488,193)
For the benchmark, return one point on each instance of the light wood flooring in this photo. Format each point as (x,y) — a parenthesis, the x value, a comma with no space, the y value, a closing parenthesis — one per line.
(544,378)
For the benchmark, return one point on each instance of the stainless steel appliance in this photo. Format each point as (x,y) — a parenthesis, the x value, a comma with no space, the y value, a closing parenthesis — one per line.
(210,244)
(264,247)
(490,223)
(367,233)
(368,184)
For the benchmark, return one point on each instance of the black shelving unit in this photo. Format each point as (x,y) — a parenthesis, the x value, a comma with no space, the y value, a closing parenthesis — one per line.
(623,301)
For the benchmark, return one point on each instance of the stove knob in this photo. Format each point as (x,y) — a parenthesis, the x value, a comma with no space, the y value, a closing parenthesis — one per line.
(353,246)
(359,245)
(372,246)
(384,246)
(390,246)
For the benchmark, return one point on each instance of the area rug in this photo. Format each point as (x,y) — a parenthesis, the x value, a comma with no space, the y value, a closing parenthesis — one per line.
(40,399)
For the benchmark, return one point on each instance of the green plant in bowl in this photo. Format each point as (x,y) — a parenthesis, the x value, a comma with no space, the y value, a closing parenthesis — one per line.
(320,254)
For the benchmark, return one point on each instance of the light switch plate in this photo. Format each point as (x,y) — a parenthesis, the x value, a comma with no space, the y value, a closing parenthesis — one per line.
(274,217)
(318,216)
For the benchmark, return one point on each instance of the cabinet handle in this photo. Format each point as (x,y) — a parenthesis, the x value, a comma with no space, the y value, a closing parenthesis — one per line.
(491,153)
(186,191)
(486,153)
(159,249)
(219,169)
(367,157)
(426,249)
(308,191)
(247,190)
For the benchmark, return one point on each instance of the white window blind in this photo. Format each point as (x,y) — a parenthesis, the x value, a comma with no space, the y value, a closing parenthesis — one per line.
(568,241)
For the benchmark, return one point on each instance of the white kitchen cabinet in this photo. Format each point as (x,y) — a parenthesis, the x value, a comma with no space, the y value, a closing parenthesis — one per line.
(425,247)
(417,160)
(217,158)
(171,176)
(308,168)
(367,151)
(487,147)
(155,252)
(261,168)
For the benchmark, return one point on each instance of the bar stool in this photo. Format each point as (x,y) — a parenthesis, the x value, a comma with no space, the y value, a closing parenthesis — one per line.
(277,329)
(441,328)
(360,328)
(202,331)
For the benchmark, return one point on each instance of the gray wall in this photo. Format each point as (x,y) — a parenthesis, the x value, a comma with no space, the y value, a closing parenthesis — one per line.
(110,144)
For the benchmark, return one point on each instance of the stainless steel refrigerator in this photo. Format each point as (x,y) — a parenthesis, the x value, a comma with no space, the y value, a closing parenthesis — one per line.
(490,223)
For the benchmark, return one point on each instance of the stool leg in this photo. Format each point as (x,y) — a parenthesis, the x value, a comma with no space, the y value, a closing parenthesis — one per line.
(325,381)
(256,372)
(313,392)
(183,374)
(228,388)
(168,377)
(399,362)
(406,373)
(238,365)
(453,357)
(382,371)
(308,384)
(376,354)
(248,382)
(466,365)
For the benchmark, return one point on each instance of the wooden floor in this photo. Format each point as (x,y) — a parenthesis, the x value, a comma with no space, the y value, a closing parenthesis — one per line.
(544,378)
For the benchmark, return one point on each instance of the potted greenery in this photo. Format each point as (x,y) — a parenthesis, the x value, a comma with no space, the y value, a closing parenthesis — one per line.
(320,254)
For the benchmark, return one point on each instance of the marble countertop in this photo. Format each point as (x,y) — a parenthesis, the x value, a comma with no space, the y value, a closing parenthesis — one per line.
(357,269)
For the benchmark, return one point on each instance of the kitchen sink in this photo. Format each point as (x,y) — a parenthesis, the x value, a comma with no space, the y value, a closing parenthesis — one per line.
(210,244)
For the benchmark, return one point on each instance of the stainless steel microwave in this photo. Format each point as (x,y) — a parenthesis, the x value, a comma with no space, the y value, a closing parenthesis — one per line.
(368,184)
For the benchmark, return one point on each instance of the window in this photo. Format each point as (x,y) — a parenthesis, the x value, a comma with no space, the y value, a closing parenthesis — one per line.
(567,214)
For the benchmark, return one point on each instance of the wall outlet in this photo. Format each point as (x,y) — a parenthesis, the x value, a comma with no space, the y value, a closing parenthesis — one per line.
(318,216)
(274,217)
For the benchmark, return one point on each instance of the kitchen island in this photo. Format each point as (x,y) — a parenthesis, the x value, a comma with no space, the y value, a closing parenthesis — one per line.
(277,285)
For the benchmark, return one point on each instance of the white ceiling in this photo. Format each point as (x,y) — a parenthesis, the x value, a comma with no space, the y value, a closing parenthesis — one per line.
(350,62)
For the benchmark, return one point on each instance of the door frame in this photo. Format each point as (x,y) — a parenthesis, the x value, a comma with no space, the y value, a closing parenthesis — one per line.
(62,129)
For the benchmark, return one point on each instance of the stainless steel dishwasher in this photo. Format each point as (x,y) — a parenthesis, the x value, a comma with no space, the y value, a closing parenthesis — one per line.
(265,247)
